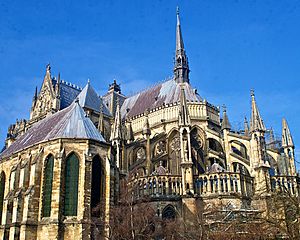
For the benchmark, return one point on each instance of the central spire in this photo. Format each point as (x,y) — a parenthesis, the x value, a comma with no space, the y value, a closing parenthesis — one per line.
(181,66)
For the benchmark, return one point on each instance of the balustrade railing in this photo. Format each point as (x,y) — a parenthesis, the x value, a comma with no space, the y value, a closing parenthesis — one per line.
(205,185)
(156,186)
(224,183)
(291,184)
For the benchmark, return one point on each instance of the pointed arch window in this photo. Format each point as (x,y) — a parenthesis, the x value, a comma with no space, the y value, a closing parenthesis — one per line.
(97,188)
(47,186)
(2,188)
(169,213)
(71,185)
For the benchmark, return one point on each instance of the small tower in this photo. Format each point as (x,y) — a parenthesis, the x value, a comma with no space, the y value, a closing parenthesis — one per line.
(257,131)
(184,124)
(116,134)
(288,147)
(225,128)
(101,121)
(181,65)
(246,127)
(34,100)
(112,96)
(56,102)
(129,133)
(225,122)
(258,150)
(147,134)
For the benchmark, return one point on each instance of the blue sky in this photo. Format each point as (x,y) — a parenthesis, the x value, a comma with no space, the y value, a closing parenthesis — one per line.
(232,46)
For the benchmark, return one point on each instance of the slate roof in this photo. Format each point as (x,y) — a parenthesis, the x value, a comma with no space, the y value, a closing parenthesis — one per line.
(163,93)
(88,98)
(68,93)
(70,122)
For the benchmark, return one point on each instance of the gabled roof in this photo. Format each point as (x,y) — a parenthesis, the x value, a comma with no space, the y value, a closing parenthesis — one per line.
(163,93)
(68,123)
(88,98)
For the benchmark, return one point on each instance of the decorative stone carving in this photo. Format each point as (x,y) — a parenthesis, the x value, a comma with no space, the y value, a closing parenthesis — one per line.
(175,144)
(140,154)
(199,139)
(160,148)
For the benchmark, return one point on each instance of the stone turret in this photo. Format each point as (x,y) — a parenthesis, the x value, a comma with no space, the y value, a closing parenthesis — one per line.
(225,127)
(129,134)
(246,127)
(288,147)
(258,161)
(184,124)
(56,102)
(225,122)
(147,134)
(257,131)
(101,121)
(113,95)
(116,134)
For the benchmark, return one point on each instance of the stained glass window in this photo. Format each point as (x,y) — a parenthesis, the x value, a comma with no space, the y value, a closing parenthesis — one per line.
(47,186)
(2,187)
(71,185)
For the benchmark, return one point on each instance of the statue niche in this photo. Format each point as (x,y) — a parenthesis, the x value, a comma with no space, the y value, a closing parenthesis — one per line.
(159,149)
(174,150)
(159,155)
(198,146)
(140,154)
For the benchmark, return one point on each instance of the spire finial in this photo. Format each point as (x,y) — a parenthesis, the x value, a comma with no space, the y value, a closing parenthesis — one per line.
(287,140)
(225,125)
(48,67)
(36,92)
(177,11)
(252,92)
(117,126)
(89,81)
(224,108)
(181,67)
(184,117)
(256,122)
(146,127)
(246,126)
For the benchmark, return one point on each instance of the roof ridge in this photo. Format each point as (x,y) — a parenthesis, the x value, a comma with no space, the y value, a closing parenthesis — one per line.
(70,84)
(151,86)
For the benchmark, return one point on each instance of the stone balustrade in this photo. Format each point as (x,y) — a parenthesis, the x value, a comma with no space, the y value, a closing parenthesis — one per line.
(170,186)
(158,186)
(224,183)
(206,185)
(291,184)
